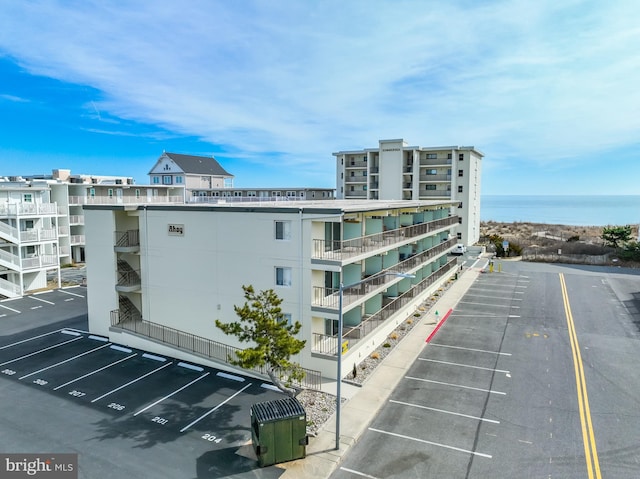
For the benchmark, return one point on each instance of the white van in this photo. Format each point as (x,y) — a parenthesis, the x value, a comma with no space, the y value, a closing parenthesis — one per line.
(459,249)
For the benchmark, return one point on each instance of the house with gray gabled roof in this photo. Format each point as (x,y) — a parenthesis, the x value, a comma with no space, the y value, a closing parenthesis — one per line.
(195,173)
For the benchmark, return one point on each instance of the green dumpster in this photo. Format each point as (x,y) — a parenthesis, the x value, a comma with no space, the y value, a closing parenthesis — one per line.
(279,431)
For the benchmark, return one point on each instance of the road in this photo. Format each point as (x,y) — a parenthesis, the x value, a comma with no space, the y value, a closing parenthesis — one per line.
(532,375)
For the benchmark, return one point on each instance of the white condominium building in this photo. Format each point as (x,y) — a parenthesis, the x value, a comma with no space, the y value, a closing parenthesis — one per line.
(397,171)
(42,222)
(160,275)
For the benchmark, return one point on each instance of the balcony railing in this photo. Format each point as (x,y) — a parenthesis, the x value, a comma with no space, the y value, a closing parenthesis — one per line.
(76,239)
(444,193)
(339,250)
(118,200)
(36,235)
(435,161)
(329,297)
(76,219)
(41,261)
(127,239)
(328,345)
(28,209)
(198,345)
(356,164)
(427,178)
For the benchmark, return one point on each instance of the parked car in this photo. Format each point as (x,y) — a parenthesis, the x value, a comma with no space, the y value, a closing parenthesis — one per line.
(459,249)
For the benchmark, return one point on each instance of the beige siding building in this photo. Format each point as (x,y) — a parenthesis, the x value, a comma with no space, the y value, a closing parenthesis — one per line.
(169,271)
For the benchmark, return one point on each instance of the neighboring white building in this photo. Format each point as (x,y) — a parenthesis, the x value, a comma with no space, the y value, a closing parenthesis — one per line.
(42,221)
(169,271)
(397,171)
(206,181)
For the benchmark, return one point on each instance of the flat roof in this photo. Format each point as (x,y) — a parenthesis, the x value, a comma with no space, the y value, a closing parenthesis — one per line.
(291,206)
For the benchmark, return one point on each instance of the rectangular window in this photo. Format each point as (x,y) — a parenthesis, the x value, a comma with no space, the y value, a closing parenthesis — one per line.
(27,198)
(167,179)
(431,172)
(460,156)
(287,318)
(459,220)
(156,180)
(459,235)
(178,180)
(28,224)
(92,192)
(137,193)
(330,327)
(448,156)
(110,192)
(430,187)
(460,189)
(251,194)
(237,193)
(31,251)
(432,156)
(460,173)
(353,173)
(283,276)
(283,230)
(460,205)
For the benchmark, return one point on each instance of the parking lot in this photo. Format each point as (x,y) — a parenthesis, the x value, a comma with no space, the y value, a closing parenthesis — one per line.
(128,398)
(431,425)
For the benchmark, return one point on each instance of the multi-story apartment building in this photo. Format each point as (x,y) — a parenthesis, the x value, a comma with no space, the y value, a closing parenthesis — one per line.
(42,221)
(206,181)
(397,171)
(169,271)
(28,236)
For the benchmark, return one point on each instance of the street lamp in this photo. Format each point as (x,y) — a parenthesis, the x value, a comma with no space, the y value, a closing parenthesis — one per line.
(339,347)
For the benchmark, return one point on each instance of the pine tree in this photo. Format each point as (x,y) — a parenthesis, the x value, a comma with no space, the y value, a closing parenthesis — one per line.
(263,324)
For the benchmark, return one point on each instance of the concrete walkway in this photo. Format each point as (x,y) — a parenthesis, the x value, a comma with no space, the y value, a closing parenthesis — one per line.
(365,402)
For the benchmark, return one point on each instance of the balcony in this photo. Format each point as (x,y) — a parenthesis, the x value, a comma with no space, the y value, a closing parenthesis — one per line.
(329,297)
(119,200)
(328,345)
(355,194)
(40,261)
(356,180)
(341,250)
(435,161)
(356,164)
(438,193)
(38,235)
(28,209)
(76,219)
(76,239)
(429,178)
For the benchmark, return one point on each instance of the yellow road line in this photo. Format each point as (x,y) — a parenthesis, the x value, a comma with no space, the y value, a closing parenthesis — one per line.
(588,437)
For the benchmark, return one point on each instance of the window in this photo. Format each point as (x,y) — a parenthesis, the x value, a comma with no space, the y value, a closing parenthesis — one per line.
(27,198)
(353,173)
(460,205)
(459,236)
(31,251)
(156,180)
(432,156)
(448,156)
(283,276)
(110,192)
(178,180)
(283,230)
(137,192)
(431,172)
(430,187)
(251,194)
(460,156)
(330,327)
(302,194)
(92,192)
(460,173)
(287,318)
(460,189)
(28,224)
(459,220)
(167,179)
(237,193)
(291,194)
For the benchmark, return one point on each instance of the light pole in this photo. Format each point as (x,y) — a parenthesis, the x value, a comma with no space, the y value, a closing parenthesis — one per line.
(339,347)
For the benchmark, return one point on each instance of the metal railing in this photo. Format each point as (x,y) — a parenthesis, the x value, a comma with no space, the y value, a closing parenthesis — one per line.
(28,209)
(326,344)
(199,345)
(127,239)
(338,250)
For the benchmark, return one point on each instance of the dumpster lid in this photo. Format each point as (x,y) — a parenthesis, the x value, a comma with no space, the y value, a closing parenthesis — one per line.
(277,409)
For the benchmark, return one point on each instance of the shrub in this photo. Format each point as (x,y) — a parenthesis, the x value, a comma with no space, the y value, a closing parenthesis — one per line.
(393,335)
(375,355)
(386,345)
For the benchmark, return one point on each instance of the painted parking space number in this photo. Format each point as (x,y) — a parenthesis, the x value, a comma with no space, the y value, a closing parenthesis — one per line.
(160,420)
(77,394)
(116,406)
(40,382)
(211,438)
(8,372)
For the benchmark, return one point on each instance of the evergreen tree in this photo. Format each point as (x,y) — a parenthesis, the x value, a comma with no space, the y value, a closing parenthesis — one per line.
(616,236)
(263,324)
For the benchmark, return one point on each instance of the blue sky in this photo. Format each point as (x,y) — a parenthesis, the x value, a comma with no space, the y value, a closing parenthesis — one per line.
(547,90)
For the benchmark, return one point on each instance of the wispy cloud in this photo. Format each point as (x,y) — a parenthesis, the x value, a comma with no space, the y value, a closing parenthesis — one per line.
(533,81)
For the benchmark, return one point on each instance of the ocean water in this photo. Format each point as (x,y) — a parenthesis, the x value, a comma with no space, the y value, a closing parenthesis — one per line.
(597,210)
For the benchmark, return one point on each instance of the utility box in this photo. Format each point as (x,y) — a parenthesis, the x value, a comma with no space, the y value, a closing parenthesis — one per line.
(279,431)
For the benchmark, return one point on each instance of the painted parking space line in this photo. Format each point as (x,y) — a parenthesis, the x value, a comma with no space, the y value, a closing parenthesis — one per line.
(35,298)
(96,370)
(476,303)
(445,411)
(214,409)
(65,361)
(70,293)
(357,473)
(40,351)
(10,309)
(131,382)
(462,386)
(464,365)
(30,339)
(172,394)
(446,446)
(469,349)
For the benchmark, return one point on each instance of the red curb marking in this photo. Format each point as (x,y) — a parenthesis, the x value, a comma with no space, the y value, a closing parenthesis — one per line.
(433,333)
